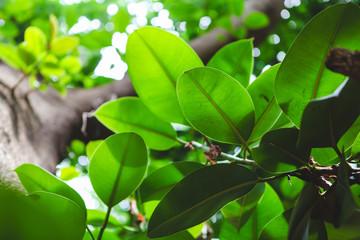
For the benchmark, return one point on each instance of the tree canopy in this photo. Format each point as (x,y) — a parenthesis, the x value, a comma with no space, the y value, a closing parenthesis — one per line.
(233,119)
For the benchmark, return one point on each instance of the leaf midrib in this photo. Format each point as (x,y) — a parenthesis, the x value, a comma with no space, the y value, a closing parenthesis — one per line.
(287,153)
(157,59)
(262,117)
(318,78)
(116,183)
(237,133)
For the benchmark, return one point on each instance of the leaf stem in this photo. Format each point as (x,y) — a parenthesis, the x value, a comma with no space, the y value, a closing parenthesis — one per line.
(341,155)
(105,223)
(91,235)
(223,155)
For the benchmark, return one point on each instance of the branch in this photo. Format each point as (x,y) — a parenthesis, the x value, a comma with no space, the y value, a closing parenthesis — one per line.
(222,154)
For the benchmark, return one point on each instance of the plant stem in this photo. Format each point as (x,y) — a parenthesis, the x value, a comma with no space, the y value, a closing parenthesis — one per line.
(224,155)
(341,155)
(91,235)
(105,223)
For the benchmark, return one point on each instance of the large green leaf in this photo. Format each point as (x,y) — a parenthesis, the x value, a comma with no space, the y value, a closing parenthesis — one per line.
(327,156)
(327,119)
(156,59)
(267,208)
(91,147)
(277,228)
(348,231)
(184,235)
(355,151)
(118,166)
(267,111)
(216,105)
(300,217)
(9,54)
(239,211)
(277,151)
(235,59)
(199,196)
(130,115)
(159,182)
(40,216)
(302,75)
(35,179)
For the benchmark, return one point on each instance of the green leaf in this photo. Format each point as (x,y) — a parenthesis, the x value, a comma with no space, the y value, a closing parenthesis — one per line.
(235,59)
(117,167)
(327,156)
(71,64)
(327,119)
(184,235)
(41,216)
(69,173)
(35,40)
(277,151)
(35,179)
(300,218)
(302,76)
(277,228)
(355,151)
(26,54)
(8,54)
(267,111)
(345,204)
(78,147)
(157,58)
(131,115)
(49,66)
(290,189)
(207,98)
(267,208)
(91,147)
(96,218)
(236,6)
(62,45)
(54,27)
(199,196)
(282,122)
(159,182)
(348,231)
(256,20)
(238,212)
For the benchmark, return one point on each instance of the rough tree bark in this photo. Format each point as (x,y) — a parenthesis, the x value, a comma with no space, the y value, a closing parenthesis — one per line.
(39,132)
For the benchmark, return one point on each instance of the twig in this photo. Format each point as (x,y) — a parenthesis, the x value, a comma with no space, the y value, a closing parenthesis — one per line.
(223,155)
(91,235)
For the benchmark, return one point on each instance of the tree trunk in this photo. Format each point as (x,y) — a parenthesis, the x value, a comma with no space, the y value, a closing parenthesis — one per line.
(37,131)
